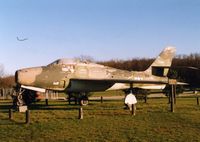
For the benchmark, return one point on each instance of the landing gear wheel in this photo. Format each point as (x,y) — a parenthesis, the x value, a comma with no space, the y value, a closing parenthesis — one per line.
(84,102)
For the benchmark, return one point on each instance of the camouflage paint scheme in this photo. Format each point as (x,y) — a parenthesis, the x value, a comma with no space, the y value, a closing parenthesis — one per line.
(75,76)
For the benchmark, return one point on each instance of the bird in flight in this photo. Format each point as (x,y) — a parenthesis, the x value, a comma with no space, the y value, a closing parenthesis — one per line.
(23,39)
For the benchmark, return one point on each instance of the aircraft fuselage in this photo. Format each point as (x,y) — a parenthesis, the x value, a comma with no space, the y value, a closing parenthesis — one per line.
(79,77)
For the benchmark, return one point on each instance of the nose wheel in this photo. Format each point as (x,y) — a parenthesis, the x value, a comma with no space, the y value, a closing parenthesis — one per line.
(18,98)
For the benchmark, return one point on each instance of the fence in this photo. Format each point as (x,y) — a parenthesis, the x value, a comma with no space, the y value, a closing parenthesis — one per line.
(5,93)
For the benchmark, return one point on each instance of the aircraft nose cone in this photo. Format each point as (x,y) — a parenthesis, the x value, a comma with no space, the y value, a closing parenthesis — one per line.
(16,77)
(27,76)
(20,76)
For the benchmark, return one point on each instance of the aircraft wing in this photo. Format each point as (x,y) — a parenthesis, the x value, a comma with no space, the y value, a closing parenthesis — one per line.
(129,81)
(90,85)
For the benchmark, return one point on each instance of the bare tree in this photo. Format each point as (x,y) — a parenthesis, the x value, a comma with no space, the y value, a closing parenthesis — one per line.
(1,70)
(7,82)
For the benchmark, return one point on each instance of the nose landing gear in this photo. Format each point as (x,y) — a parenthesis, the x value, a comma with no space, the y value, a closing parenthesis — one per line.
(17,97)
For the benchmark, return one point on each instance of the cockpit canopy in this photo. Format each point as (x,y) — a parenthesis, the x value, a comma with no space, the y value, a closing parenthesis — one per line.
(64,61)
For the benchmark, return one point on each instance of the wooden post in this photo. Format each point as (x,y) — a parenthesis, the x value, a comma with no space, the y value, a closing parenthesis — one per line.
(169,97)
(47,102)
(172,98)
(80,113)
(76,100)
(3,92)
(172,83)
(101,99)
(47,94)
(196,93)
(10,114)
(57,95)
(174,94)
(145,98)
(133,109)
(27,114)
(69,98)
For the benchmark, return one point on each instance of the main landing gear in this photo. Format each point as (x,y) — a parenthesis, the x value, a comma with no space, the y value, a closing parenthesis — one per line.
(79,98)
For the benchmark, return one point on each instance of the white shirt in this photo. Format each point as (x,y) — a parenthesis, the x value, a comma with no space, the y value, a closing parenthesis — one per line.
(130,99)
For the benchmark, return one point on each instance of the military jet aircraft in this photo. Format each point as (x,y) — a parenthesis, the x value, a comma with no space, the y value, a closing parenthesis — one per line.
(74,76)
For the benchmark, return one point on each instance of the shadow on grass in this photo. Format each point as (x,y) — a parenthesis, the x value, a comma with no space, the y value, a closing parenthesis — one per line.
(105,101)
(51,107)
(63,105)
(111,113)
(7,121)
(5,108)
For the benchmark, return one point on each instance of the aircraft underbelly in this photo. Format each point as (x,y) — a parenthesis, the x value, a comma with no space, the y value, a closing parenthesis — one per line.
(93,86)
(88,86)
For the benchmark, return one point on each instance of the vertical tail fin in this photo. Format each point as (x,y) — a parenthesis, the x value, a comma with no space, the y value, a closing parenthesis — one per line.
(160,66)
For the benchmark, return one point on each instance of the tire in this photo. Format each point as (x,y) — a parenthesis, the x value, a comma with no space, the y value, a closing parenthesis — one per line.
(84,102)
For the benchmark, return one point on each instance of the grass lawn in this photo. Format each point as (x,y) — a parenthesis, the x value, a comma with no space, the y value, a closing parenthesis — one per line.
(103,122)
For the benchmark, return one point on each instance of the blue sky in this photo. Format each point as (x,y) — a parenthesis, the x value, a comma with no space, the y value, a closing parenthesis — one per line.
(102,29)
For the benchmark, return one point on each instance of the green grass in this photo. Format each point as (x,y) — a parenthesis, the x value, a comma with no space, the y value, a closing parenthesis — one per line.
(103,122)
(108,93)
